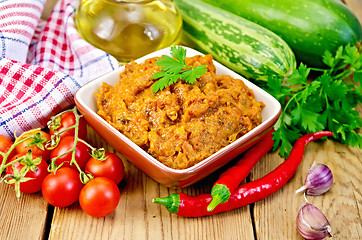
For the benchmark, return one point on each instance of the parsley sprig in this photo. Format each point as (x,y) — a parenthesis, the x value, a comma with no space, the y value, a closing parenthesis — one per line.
(328,102)
(174,68)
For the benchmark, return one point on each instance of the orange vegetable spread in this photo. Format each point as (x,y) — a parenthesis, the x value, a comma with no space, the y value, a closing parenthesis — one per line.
(182,124)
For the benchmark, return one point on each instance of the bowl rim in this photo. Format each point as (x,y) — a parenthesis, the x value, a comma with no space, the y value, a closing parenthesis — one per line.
(209,160)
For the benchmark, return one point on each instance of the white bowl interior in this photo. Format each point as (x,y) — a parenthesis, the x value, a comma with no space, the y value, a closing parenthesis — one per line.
(85,96)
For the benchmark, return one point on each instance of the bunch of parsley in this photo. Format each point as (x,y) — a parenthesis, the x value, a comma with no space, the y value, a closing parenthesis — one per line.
(327,101)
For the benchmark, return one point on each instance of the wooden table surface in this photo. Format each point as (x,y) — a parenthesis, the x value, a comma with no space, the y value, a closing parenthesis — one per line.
(136,217)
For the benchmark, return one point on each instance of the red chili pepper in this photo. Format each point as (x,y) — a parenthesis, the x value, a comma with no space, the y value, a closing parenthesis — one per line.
(231,178)
(187,206)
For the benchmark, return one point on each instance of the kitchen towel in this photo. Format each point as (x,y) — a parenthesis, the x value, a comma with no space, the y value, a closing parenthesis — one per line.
(42,63)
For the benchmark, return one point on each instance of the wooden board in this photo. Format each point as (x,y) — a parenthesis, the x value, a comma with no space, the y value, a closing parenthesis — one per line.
(24,218)
(136,217)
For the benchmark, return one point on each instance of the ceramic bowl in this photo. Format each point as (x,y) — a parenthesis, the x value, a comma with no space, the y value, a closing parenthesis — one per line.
(86,102)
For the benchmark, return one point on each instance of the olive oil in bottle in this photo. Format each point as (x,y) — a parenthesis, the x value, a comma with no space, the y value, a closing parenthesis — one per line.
(129,29)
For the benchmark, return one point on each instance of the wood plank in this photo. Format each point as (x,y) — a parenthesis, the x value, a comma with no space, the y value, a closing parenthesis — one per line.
(24,218)
(136,217)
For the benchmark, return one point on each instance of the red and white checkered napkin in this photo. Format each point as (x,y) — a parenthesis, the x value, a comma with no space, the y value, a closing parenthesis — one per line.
(42,63)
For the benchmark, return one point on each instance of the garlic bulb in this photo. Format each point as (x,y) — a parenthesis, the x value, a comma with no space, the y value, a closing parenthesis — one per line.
(312,224)
(318,181)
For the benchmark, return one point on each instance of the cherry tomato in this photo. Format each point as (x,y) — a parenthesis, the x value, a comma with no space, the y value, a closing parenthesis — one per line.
(112,167)
(67,120)
(66,144)
(62,188)
(38,174)
(99,197)
(36,144)
(5,145)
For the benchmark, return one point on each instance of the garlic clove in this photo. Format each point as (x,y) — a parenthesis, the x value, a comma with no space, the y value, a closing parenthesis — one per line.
(312,223)
(318,181)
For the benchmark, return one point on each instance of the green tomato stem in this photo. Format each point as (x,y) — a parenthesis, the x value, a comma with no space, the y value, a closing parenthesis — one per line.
(5,156)
(76,139)
(88,145)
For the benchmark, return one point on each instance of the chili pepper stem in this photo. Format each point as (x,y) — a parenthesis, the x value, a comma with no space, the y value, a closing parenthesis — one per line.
(162,200)
(220,193)
(171,202)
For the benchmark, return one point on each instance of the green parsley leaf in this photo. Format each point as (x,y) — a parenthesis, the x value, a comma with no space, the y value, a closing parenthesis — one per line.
(351,56)
(191,75)
(276,88)
(179,53)
(283,137)
(307,118)
(299,76)
(328,59)
(175,68)
(358,76)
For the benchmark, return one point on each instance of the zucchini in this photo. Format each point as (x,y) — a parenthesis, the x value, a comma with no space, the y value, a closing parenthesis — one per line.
(243,46)
(310,27)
